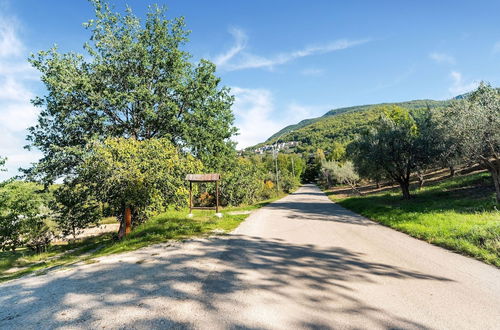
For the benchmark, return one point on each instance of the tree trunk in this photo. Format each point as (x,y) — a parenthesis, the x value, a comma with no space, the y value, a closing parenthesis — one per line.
(377,183)
(354,189)
(128,220)
(452,171)
(493,166)
(421,180)
(126,223)
(405,188)
(496,180)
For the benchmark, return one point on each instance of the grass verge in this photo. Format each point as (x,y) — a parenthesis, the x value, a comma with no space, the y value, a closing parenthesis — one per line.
(171,225)
(459,214)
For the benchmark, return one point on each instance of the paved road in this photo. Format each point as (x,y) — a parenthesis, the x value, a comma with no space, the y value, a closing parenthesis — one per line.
(299,263)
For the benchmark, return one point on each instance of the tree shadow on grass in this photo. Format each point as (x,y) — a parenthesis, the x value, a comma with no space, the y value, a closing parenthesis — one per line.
(208,283)
(466,195)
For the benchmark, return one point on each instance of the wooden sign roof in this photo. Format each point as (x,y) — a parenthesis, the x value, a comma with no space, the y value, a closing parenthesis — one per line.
(203,177)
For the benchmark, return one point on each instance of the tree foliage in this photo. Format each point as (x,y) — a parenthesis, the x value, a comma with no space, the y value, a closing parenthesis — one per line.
(342,173)
(398,143)
(147,176)
(135,82)
(242,183)
(472,129)
(23,216)
(75,208)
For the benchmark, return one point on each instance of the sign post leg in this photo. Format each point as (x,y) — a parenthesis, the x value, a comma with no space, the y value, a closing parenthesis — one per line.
(217,200)
(190,199)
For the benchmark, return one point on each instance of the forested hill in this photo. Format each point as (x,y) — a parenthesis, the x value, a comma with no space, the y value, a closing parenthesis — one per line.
(411,105)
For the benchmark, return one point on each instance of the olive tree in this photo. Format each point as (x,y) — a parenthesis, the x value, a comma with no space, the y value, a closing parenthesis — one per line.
(473,128)
(397,142)
(343,173)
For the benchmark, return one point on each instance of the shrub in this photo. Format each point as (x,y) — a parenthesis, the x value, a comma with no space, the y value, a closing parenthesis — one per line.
(241,183)
(23,216)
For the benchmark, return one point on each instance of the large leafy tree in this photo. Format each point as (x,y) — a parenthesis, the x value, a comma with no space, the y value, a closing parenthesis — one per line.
(472,127)
(135,82)
(399,144)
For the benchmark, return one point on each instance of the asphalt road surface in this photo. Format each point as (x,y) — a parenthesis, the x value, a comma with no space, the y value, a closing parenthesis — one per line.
(302,262)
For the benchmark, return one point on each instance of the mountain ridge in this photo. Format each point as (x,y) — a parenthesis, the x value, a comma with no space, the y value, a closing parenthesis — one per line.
(337,111)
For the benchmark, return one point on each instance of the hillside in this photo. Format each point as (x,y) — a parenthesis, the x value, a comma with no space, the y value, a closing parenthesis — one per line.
(341,124)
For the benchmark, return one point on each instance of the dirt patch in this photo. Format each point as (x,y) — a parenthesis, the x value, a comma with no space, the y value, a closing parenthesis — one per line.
(239,212)
(94,231)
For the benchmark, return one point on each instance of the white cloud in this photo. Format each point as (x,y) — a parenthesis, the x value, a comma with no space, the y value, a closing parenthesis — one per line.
(240,41)
(459,86)
(255,112)
(236,58)
(10,45)
(253,109)
(442,58)
(16,111)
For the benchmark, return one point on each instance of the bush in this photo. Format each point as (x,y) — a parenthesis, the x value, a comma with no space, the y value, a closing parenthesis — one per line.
(241,183)
(288,182)
(23,216)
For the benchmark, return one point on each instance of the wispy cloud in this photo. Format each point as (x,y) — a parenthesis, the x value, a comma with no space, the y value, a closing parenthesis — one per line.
(240,41)
(10,45)
(236,58)
(442,58)
(459,85)
(257,117)
(16,111)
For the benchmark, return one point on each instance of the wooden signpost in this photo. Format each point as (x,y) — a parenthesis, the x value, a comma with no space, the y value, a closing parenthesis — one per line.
(203,178)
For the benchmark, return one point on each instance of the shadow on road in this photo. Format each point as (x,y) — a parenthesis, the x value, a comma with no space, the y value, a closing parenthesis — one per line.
(305,205)
(155,292)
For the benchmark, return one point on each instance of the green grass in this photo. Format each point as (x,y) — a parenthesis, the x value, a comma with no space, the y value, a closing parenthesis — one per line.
(108,220)
(459,214)
(172,225)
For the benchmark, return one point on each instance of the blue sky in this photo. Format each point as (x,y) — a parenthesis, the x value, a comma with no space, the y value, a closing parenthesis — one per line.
(284,60)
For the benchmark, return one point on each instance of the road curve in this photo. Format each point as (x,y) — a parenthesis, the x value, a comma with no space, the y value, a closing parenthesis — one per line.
(302,262)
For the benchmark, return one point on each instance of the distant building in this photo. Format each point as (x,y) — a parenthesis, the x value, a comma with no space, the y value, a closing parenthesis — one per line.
(279,146)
